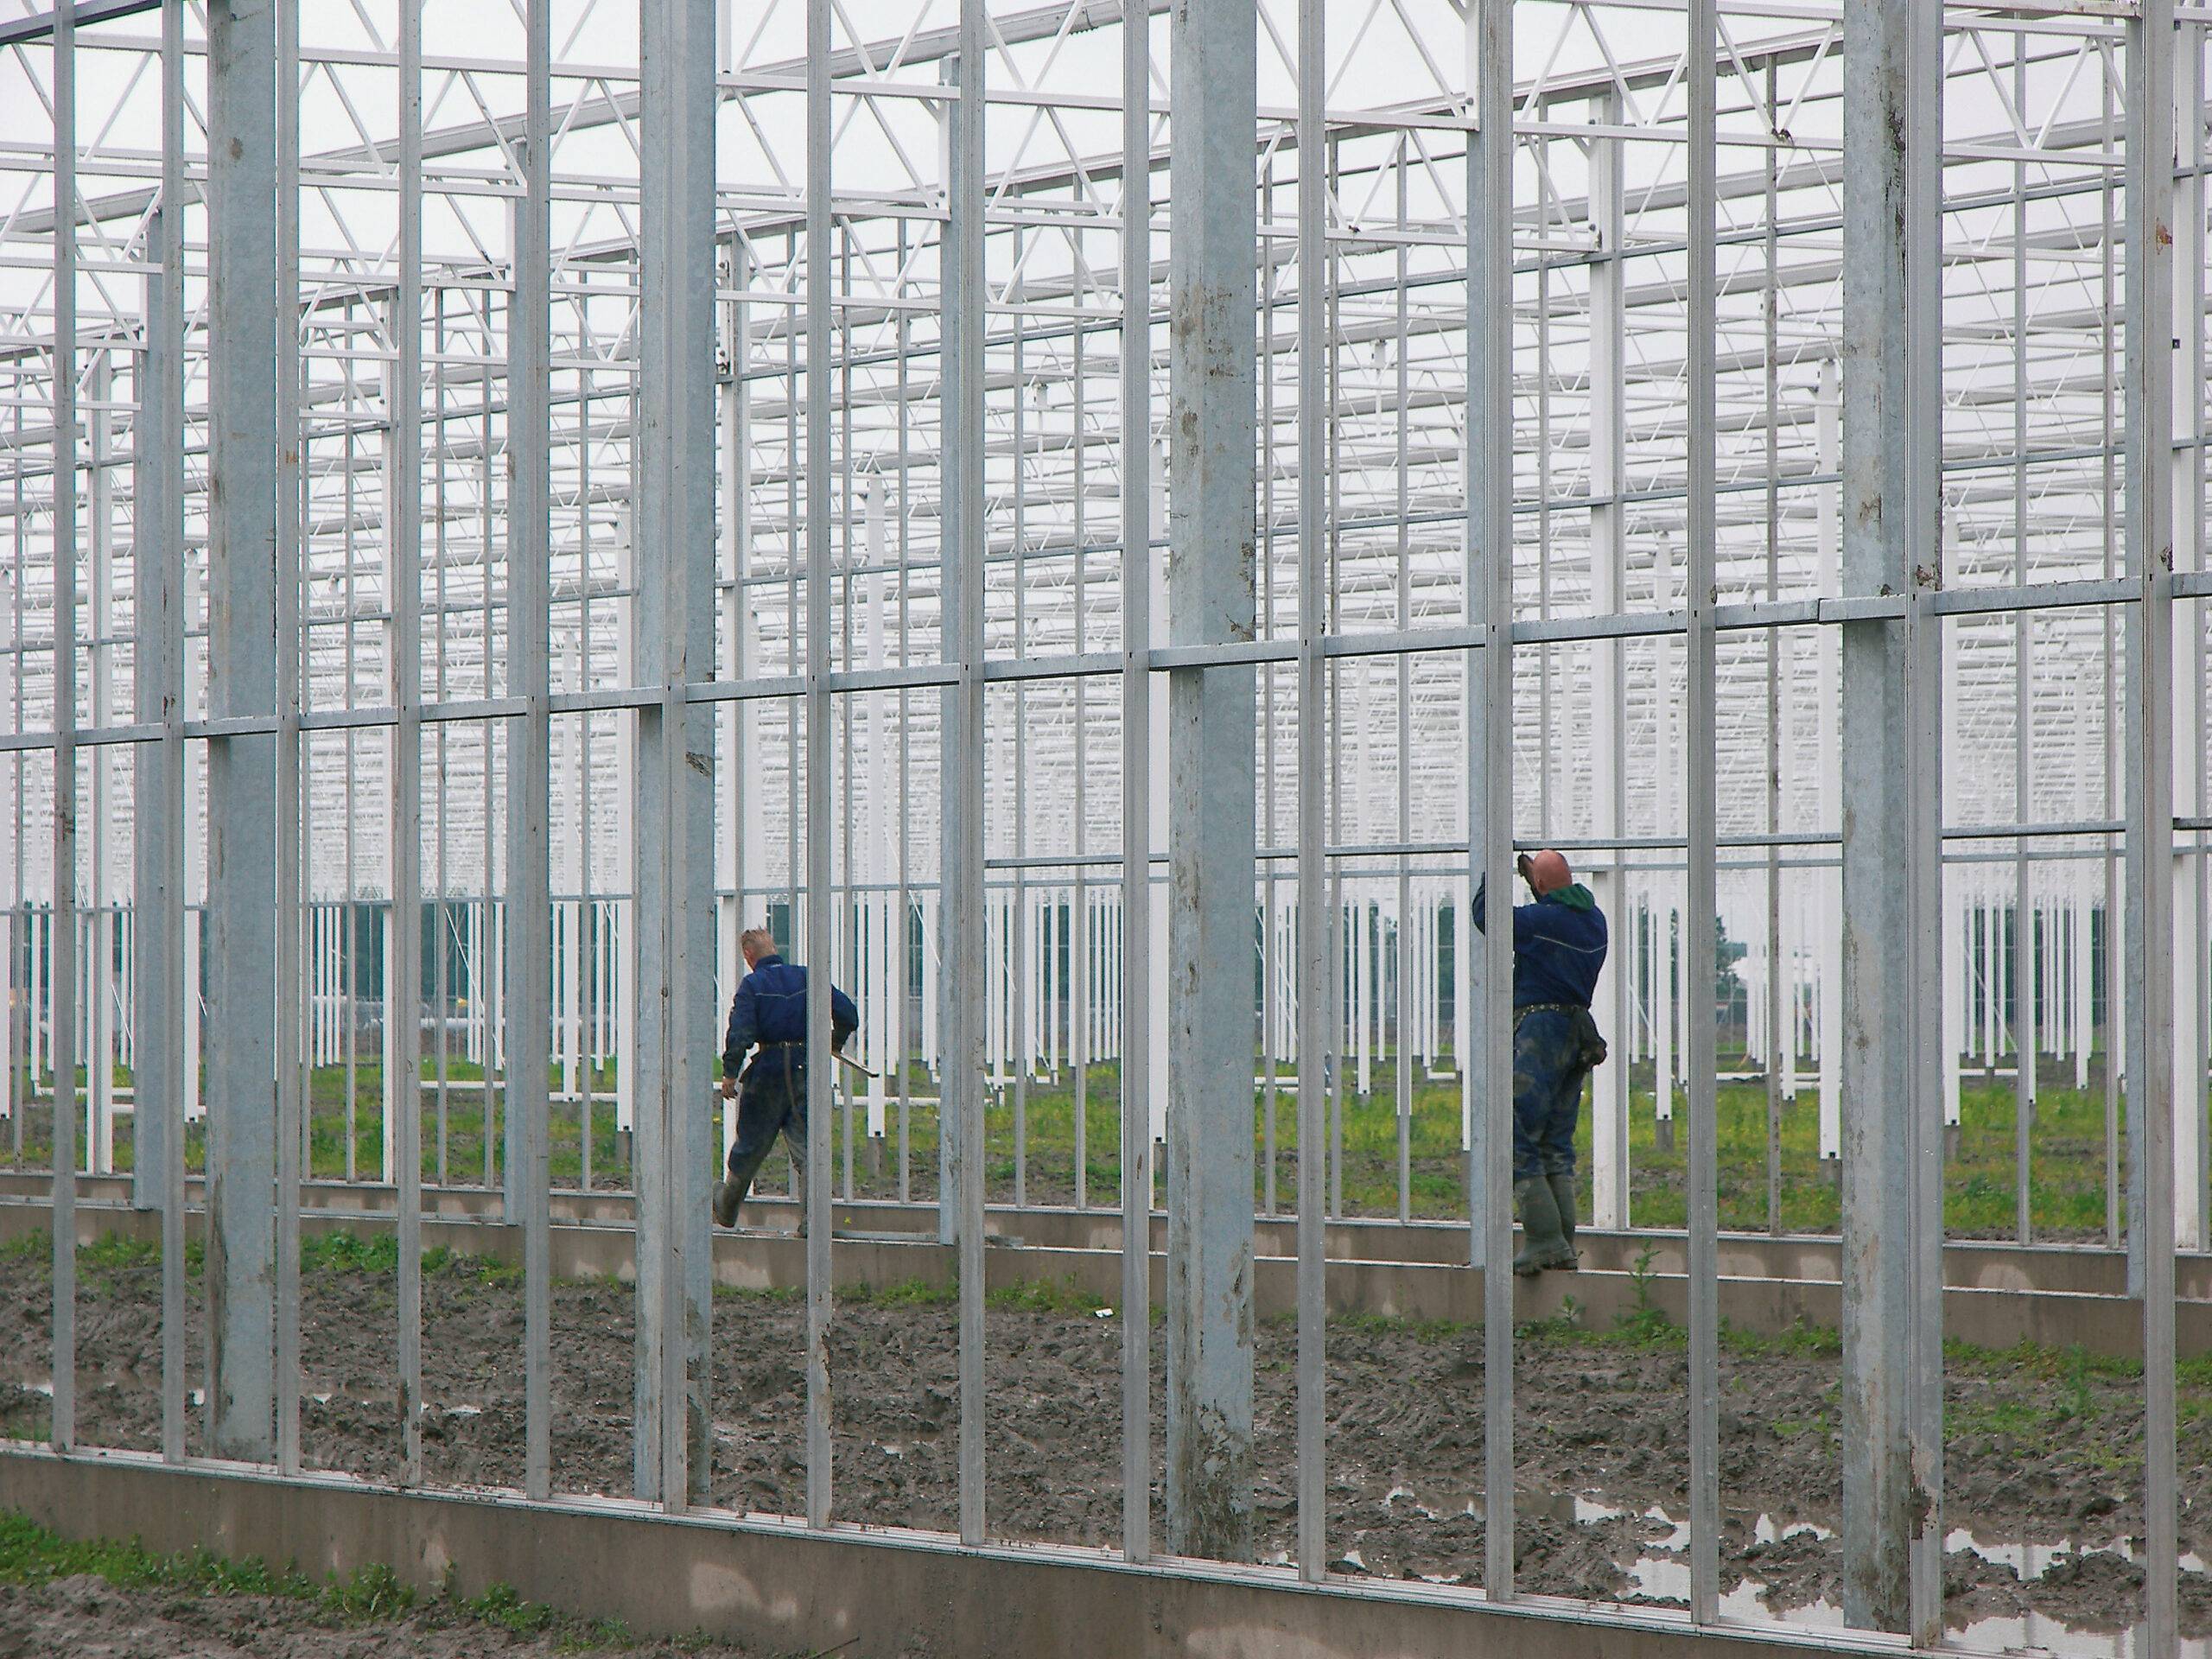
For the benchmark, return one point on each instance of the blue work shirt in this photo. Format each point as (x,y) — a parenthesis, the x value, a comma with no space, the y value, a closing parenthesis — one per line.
(1559,945)
(770,1008)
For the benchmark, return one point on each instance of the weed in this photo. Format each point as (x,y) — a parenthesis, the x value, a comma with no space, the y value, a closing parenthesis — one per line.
(911,1293)
(599,1633)
(753,1293)
(373,1591)
(1393,1325)
(2077,1401)
(341,1252)
(499,1605)
(1643,1321)
(1045,1296)
(1799,1341)
(114,1253)
(1561,1324)
(30,1554)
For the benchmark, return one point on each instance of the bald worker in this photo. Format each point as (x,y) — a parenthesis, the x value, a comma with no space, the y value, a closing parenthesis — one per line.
(1558,946)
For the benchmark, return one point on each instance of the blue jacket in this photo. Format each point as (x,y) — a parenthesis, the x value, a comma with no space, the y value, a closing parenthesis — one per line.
(770,1008)
(1559,945)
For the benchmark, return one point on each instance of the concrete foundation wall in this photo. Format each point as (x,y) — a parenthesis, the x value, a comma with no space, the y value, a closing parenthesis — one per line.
(1998,1316)
(866,1593)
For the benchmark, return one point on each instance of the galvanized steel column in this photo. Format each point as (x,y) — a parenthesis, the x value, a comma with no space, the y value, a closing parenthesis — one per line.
(1490,720)
(1313,1010)
(965,542)
(287,965)
(1889,1072)
(1213,85)
(1610,1205)
(403,967)
(674,869)
(529,992)
(157,820)
(159,1081)
(2147,406)
(1700,812)
(240,937)
(820,910)
(1136,785)
(62,946)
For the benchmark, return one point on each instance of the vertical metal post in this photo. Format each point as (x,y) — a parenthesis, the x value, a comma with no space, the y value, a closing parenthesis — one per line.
(966,544)
(2192,670)
(161,1082)
(674,906)
(1889,1081)
(2022,961)
(1211,828)
(63,949)
(819,911)
(1314,1010)
(1700,825)
(286,965)
(1609,1095)
(2147,406)
(1781,1021)
(530,902)
(403,976)
(1136,785)
(240,941)
(1490,784)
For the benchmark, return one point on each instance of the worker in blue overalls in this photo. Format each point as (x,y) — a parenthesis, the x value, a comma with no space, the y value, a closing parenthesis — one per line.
(1558,946)
(767,1022)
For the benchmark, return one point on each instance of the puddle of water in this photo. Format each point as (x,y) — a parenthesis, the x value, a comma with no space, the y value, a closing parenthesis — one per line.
(1665,1573)
(1440,1504)
(2033,1632)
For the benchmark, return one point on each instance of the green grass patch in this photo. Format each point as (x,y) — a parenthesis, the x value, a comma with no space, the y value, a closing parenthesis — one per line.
(1045,1296)
(370,1593)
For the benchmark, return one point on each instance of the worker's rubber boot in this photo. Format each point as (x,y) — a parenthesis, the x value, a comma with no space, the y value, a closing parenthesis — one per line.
(1543,1245)
(725,1200)
(1562,1186)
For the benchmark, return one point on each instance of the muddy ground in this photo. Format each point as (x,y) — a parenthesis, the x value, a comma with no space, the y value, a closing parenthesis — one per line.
(2041,1452)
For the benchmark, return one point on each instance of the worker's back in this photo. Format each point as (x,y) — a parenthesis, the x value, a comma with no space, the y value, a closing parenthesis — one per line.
(770,1010)
(1559,948)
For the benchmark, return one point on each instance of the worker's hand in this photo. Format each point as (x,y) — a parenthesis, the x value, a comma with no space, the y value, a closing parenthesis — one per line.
(729,1088)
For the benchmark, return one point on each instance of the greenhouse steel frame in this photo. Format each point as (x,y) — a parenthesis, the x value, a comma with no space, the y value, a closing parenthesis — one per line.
(1754,445)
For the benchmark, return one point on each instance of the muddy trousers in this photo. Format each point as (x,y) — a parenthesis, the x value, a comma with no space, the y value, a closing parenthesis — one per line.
(775,1106)
(1549,1065)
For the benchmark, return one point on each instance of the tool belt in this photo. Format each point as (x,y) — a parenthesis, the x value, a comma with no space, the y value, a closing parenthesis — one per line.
(1589,1042)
